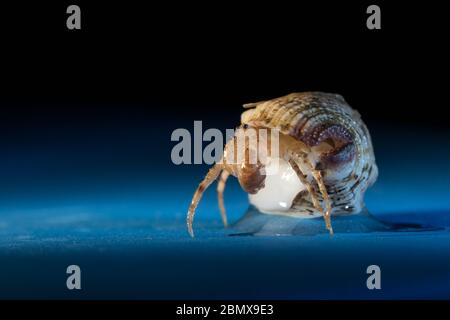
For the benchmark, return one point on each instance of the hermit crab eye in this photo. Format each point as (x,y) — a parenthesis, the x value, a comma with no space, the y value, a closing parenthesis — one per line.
(245,126)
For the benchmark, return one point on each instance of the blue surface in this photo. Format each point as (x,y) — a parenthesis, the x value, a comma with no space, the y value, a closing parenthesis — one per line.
(119,213)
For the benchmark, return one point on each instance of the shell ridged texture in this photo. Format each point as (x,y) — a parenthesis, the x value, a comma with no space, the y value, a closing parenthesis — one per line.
(312,117)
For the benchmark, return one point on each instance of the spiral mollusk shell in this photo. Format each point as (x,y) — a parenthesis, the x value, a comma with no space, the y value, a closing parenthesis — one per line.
(316,118)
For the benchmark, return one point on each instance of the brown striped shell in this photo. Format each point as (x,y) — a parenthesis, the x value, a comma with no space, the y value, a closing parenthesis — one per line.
(317,118)
(325,155)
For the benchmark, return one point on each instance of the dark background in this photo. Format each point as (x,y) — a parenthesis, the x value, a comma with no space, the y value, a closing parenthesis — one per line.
(100,103)
(205,60)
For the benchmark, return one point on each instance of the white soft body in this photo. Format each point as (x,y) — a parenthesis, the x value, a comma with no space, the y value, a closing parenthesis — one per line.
(281,186)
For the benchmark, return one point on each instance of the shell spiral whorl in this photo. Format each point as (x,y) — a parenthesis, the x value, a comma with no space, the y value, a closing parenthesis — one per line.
(318,119)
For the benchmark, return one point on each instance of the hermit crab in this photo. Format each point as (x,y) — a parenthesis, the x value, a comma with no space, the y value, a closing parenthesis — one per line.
(320,160)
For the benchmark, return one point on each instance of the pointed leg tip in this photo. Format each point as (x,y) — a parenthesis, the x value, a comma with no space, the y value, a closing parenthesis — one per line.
(189,228)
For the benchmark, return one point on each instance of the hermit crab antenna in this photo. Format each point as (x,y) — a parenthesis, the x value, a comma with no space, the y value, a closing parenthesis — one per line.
(212,175)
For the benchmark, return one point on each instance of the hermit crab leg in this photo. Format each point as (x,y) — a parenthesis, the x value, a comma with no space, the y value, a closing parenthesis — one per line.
(220,189)
(323,190)
(305,182)
(212,175)
(318,177)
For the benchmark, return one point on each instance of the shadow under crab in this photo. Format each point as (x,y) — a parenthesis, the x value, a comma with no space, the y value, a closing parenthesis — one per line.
(255,223)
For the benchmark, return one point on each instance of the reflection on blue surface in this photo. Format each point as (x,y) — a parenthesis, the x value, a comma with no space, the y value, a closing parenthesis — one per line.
(255,223)
(119,213)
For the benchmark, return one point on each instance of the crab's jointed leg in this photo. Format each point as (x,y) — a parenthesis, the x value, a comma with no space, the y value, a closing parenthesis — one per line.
(304,181)
(318,178)
(212,175)
(323,190)
(220,190)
